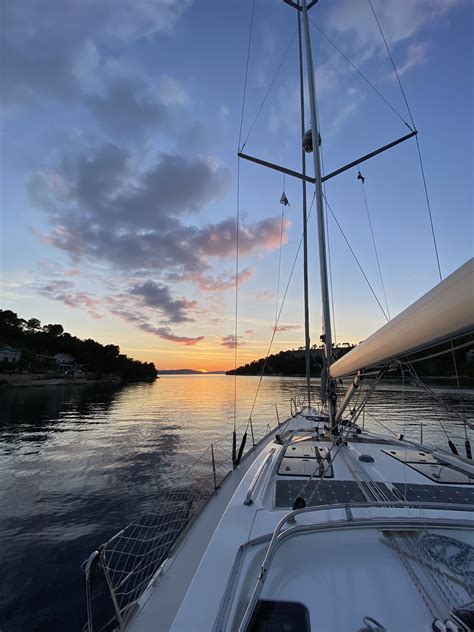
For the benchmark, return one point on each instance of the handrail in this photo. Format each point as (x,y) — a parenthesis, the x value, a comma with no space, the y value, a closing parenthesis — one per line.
(248,498)
(290,519)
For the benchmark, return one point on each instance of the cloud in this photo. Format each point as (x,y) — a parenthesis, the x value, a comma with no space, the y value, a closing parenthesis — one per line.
(50,268)
(266,295)
(230,341)
(249,332)
(283,328)
(65,292)
(134,310)
(353,98)
(101,207)
(172,91)
(159,296)
(417,54)
(71,53)
(126,108)
(218,240)
(400,21)
(208,283)
(166,334)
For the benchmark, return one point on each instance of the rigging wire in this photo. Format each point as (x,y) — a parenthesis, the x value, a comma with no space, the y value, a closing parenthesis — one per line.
(268,91)
(461,401)
(355,257)
(327,240)
(428,204)
(439,353)
(279,314)
(237,222)
(416,138)
(282,203)
(359,72)
(427,389)
(362,179)
(330,273)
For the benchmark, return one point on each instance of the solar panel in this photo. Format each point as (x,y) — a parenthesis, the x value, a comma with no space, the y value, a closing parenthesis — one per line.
(328,492)
(435,494)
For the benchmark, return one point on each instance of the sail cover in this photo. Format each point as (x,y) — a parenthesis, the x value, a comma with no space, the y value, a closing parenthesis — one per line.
(445,311)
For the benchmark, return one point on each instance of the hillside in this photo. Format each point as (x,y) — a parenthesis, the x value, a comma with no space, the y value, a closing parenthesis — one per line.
(289,363)
(29,347)
(438,366)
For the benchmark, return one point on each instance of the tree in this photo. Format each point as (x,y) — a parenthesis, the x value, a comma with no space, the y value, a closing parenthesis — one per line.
(53,330)
(9,320)
(33,324)
(112,350)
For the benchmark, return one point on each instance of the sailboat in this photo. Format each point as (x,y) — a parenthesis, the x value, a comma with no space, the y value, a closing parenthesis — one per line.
(322,524)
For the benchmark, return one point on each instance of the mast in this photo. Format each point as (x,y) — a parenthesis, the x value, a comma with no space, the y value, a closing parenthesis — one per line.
(327,333)
(305,226)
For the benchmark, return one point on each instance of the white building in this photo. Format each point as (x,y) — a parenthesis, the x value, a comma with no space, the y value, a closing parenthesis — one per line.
(8,354)
(64,359)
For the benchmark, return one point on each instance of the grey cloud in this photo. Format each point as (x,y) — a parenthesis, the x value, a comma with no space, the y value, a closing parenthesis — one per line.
(125,107)
(41,44)
(166,334)
(100,183)
(159,296)
(101,209)
(230,341)
(128,308)
(65,292)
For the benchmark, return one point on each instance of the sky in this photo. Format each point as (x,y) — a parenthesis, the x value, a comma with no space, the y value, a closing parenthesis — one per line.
(119,133)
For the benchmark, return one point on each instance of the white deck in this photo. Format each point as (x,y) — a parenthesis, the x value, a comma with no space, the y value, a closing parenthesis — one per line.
(320,569)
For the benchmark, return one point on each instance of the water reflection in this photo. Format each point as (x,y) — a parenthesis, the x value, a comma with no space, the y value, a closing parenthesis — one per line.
(78,462)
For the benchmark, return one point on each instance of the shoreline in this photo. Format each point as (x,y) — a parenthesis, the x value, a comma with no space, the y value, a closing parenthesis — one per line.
(65,382)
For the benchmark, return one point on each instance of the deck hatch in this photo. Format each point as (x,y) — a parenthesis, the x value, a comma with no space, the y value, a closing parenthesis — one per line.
(426,464)
(411,456)
(289,616)
(305,449)
(305,467)
(440,473)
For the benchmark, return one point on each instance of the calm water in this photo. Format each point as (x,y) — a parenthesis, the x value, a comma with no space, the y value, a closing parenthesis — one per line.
(77,462)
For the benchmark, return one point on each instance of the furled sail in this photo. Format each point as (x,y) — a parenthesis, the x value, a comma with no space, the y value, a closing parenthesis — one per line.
(445,311)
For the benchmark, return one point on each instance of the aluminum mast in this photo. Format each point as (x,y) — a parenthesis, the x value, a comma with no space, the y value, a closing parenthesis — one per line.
(327,333)
(305,226)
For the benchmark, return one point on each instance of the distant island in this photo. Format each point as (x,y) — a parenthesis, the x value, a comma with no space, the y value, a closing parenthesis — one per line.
(290,363)
(33,354)
(188,372)
(437,367)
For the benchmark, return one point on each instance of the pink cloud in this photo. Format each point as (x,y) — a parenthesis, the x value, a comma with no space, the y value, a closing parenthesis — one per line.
(283,328)
(208,283)
(65,292)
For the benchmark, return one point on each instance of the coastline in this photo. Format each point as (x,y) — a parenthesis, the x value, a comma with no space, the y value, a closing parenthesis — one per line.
(7,385)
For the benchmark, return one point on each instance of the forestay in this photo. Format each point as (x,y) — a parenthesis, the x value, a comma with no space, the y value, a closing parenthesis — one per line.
(445,311)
